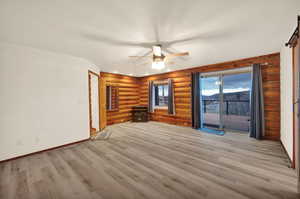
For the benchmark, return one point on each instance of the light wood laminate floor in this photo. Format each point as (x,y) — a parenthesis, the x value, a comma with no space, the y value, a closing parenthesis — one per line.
(154,160)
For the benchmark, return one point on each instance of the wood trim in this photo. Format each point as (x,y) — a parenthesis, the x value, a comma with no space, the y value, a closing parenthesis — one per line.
(90,73)
(49,149)
(90,103)
(296,135)
(160,82)
(273,137)
(103,120)
(293,97)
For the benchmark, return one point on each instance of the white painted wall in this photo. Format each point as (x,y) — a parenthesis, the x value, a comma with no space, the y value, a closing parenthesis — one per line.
(286,95)
(44,100)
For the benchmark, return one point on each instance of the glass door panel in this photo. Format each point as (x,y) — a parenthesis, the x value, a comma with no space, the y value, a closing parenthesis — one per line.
(210,102)
(236,101)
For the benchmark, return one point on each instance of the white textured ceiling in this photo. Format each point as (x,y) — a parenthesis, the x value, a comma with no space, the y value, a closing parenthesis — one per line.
(106,32)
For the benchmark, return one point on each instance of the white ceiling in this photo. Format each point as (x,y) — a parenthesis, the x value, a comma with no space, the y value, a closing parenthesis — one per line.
(106,32)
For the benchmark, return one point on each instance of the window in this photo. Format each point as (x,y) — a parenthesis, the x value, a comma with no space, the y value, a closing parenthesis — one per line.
(161,95)
(112,98)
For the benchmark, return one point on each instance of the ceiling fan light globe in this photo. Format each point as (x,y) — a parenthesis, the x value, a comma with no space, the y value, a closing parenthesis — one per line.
(158,65)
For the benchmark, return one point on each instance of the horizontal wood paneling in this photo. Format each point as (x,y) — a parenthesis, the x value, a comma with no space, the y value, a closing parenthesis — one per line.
(134,91)
(182,91)
(129,96)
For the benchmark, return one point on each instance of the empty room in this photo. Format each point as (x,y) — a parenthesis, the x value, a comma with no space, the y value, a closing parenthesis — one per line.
(150,99)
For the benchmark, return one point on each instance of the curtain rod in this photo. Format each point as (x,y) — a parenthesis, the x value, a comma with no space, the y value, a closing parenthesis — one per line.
(228,71)
(294,36)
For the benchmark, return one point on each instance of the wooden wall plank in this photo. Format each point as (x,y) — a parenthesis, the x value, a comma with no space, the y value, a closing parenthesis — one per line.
(129,95)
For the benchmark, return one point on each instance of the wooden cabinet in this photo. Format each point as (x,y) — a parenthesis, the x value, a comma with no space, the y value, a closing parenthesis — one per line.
(140,114)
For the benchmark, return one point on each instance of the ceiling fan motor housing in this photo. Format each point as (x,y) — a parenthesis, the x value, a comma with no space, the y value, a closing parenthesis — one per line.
(159,58)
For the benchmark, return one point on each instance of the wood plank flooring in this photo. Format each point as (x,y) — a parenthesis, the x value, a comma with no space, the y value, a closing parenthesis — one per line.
(154,160)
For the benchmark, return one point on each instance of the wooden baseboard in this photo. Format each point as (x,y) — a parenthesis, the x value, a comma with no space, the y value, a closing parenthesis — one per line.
(274,138)
(44,150)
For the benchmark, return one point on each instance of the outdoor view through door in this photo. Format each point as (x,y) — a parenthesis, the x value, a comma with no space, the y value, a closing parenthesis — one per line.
(225,101)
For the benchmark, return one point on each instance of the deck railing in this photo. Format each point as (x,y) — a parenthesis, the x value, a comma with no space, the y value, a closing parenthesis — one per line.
(230,107)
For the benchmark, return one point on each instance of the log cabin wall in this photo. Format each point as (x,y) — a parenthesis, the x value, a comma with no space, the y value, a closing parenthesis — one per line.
(182,92)
(128,94)
(134,91)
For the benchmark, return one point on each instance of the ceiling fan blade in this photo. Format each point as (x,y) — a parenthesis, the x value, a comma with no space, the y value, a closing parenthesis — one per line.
(170,62)
(145,55)
(144,64)
(116,42)
(214,34)
(139,56)
(177,55)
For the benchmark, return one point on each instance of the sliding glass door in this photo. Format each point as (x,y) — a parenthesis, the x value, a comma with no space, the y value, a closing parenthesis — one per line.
(225,101)
(210,102)
(236,101)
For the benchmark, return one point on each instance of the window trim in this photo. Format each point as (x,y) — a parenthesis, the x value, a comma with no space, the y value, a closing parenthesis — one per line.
(161,107)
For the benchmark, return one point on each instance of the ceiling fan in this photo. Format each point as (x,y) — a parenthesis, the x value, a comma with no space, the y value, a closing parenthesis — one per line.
(158,58)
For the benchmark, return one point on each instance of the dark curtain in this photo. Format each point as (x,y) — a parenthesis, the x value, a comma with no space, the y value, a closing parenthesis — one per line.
(171,109)
(257,126)
(196,113)
(156,97)
(150,96)
(108,98)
